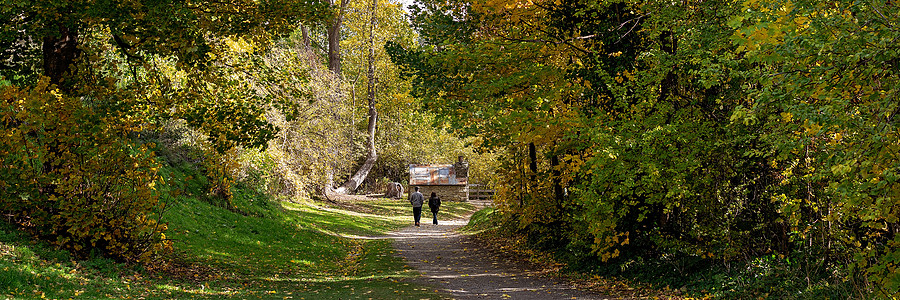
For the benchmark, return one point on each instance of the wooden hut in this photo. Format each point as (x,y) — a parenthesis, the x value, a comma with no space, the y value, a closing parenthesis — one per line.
(448,181)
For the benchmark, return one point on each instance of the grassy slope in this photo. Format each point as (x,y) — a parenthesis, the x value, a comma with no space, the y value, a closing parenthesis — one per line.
(259,249)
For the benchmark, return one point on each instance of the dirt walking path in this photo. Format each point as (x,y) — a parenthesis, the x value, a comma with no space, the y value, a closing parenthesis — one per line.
(454,264)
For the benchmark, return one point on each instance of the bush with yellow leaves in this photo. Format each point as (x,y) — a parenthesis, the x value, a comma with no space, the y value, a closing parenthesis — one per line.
(70,175)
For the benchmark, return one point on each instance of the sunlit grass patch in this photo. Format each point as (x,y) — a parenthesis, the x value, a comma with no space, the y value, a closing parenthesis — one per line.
(481,221)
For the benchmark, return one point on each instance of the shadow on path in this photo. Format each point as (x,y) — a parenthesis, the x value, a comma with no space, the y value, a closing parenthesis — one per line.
(455,264)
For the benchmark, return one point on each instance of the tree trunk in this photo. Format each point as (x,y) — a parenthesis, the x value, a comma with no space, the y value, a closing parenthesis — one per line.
(333,30)
(334,39)
(668,44)
(532,161)
(371,156)
(559,194)
(59,53)
(305,31)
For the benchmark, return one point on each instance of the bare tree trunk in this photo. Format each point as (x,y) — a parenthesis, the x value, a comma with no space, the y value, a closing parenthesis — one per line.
(60,51)
(669,45)
(333,30)
(305,31)
(371,156)
(559,194)
(334,39)
(532,160)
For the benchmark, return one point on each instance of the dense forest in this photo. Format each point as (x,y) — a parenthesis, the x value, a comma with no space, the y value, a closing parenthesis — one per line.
(756,137)
(737,148)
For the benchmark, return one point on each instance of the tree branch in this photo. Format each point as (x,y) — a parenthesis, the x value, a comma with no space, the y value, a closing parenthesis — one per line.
(636,22)
(124,46)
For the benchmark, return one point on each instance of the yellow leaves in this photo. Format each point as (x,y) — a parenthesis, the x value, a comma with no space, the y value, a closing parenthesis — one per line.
(802,22)
(836,138)
(787,117)
(751,4)
(629,75)
(606,256)
(743,115)
(812,128)
(510,5)
(841,169)
(763,35)
(240,45)
(609,241)
(512,12)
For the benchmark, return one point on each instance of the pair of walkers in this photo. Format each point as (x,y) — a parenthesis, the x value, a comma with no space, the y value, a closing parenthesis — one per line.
(417,200)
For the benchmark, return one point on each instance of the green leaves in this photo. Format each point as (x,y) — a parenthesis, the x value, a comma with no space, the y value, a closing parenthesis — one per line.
(712,127)
(832,84)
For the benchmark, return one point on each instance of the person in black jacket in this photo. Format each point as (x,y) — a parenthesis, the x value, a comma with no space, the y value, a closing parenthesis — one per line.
(434,202)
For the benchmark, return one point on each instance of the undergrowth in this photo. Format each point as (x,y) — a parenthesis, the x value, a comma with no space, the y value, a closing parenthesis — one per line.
(670,277)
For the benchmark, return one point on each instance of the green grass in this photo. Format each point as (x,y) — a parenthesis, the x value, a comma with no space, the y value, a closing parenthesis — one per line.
(481,221)
(258,249)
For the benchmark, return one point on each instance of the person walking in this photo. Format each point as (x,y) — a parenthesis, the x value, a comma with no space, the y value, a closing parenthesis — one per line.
(434,203)
(417,199)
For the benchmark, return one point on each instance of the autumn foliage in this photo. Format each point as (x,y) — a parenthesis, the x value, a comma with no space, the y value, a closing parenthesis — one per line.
(70,175)
(686,133)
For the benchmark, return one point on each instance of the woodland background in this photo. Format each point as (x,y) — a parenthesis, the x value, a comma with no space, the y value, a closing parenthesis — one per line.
(101,99)
(729,148)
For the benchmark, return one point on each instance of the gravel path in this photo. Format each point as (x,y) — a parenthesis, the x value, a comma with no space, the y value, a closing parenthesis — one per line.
(454,264)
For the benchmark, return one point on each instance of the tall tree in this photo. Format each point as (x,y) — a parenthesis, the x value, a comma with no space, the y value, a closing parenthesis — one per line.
(334,37)
(371,155)
(405,134)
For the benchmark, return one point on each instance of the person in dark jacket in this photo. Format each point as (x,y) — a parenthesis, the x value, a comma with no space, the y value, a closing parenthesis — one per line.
(416,199)
(434,202)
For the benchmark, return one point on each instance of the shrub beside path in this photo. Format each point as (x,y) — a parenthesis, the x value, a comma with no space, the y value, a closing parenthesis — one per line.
(455,264)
